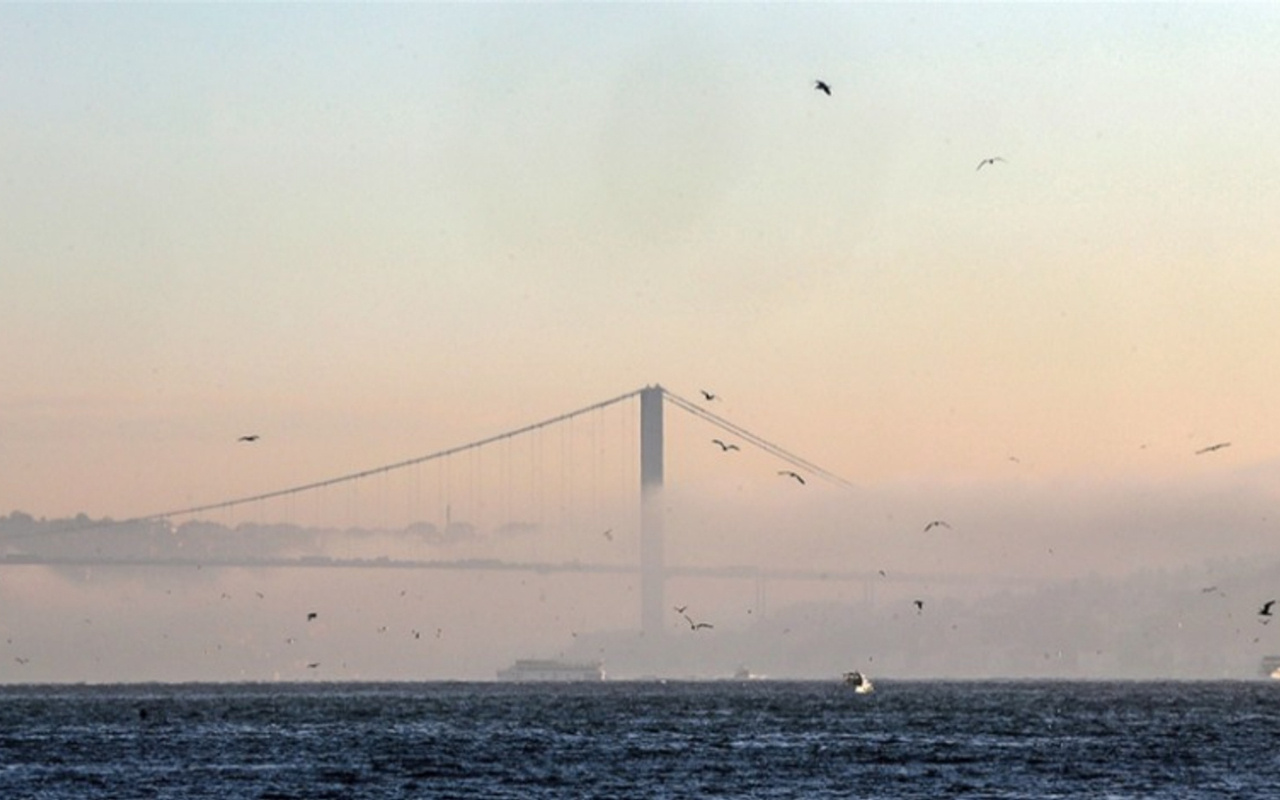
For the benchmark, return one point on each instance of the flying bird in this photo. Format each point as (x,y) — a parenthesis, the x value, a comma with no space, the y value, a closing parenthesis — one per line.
(919,604)
(987,161)
(937,523)
(252,437)
(696,626)
(1212,447)
(679,609)
(724,446)
(709,396)
(791,474)
(1265,611)
(822,86)
(608,534)
(311,615)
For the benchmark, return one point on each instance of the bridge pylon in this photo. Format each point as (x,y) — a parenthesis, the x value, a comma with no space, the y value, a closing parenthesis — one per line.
(653,571)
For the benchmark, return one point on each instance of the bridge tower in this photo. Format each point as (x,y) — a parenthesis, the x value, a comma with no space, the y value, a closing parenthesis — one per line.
(653,573)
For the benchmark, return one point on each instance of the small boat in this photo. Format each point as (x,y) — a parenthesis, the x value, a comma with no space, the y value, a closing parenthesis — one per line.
(859,683)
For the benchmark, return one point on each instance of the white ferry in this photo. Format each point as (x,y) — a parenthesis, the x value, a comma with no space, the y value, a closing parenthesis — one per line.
(547,669)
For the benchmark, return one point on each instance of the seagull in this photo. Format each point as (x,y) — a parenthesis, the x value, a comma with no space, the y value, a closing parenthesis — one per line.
(694,626)
(791,474)
(987,161)
(679,609)
(313,665)
(709,396)
(937,523)
(725,447)
(311,615)
(608,534)
(1265,611)
(822,86)
(252,437)
(1212,447)
(919,604)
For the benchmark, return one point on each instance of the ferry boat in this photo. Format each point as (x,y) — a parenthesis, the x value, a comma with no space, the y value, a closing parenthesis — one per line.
(549,669)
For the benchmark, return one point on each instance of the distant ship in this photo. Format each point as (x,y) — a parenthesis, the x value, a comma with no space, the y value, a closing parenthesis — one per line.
(547,669)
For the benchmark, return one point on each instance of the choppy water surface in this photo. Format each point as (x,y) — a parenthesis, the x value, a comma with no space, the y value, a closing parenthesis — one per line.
(727,739)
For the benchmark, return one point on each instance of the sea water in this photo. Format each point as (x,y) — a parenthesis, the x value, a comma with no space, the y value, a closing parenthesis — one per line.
(768,739)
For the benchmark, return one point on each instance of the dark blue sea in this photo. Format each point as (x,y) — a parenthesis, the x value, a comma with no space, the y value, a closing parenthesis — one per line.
(768,739)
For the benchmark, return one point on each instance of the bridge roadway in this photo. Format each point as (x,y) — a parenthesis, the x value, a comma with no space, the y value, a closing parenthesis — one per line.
(497,565)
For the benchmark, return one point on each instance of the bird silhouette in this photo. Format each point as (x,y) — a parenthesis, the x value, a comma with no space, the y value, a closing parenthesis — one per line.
(919,604)
(251,437)
(790,474)
(311,615)
(1212,447)
(680,609)
(1265,611)
(822,86)
(696,626)
(937,523)
(987,161)
(724,446)
(608,534)
(709,396)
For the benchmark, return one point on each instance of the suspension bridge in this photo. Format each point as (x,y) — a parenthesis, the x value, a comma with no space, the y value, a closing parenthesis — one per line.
(509,492)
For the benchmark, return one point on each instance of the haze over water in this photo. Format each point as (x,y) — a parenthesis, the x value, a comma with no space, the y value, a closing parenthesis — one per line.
(365,234)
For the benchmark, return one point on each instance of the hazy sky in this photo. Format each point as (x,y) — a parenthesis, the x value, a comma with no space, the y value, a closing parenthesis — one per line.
(368,232)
